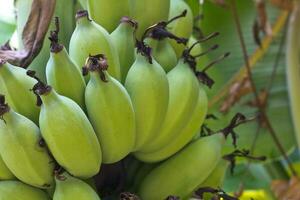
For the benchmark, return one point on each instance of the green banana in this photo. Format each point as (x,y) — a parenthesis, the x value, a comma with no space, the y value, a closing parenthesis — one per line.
(293,67)
(197,50)
(50,191)
(83,3)
(91,182)
(148,12)
(90,38)
(19,143)
(5,173)
(183,89)
(182,27)
(16,190)
(217,176)
(123,39)
(177,175)
(110,111)
(65,13)
(185,135)
(149,94)
(67,132)
(16,87)
(157,37)
(63,74)
(164,53)
(108,13)
(70,188)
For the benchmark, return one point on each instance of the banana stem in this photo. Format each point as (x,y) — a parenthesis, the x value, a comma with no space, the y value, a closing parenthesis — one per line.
(293,67)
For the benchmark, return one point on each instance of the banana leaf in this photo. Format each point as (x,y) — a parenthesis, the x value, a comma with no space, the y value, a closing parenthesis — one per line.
(6,31)
(253,135)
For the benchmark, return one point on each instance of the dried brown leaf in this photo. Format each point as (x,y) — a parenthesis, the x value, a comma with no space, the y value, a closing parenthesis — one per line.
(262,17)
(262,99)
(283,4)
(286,190)
(237,90)
(33,34)
(256,32)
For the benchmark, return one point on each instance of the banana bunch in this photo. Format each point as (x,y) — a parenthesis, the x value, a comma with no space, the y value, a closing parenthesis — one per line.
(127,90)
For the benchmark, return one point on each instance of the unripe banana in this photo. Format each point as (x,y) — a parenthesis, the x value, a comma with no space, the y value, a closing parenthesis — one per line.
(83,3)
(182,27)
(20,143)
(68,132)
(107,13)
(110,111)
(149,94)
(70,188)
(5,173)
(50,191)
(185,135)
(123,39)
(90,38)
(91,182)
(148,12)
(216,178)
(177,175)
(16,190)
(16,87)
(197,50)
(63,74)
(184,89)
(164,53)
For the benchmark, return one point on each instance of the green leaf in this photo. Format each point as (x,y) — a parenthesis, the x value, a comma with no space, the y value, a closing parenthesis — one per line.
(253,176)
(220,19)
(6,31)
